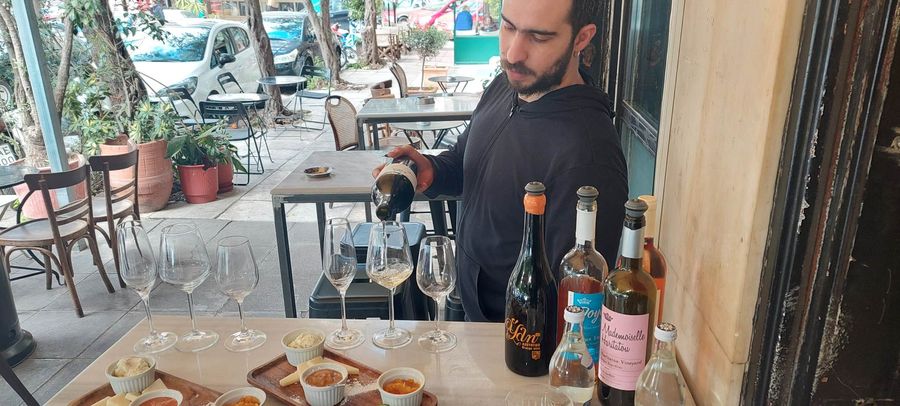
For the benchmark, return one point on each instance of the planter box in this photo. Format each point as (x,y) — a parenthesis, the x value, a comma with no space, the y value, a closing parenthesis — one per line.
(199,185)
(226,175)
(432,71)
(155,176)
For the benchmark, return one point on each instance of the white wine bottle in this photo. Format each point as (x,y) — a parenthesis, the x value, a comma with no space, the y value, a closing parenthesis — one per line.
(394,188)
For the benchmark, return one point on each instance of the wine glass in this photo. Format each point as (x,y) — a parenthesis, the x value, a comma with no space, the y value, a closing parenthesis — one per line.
(138,267)
(184,263)
(436,277)
(388,264)
(237,276)
(339,263)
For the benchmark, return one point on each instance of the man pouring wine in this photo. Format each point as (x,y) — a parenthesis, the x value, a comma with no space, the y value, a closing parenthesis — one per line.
(541,120)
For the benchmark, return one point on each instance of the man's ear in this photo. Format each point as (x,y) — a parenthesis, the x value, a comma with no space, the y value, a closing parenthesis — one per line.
(584,36)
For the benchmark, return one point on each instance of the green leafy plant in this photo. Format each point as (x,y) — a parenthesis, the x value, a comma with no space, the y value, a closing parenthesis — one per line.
(87,115)
(427,42)
(154,121)
(357,8)
(209,147)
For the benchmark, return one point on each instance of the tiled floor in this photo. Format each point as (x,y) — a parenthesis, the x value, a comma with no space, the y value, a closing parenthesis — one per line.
(67,344)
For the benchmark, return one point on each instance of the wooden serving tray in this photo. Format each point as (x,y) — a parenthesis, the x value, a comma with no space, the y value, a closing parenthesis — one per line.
(361,390)
(194,394)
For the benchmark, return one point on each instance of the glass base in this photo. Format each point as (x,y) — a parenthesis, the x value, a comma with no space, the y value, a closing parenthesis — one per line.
(155,343)
(197,340)
(537,395)
(437,341)
(245,340)
(391,338)
(344,339)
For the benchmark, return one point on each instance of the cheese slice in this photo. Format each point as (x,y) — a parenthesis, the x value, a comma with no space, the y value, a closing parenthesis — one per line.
(156,385)
(101,402)
(118,400)
(131,396)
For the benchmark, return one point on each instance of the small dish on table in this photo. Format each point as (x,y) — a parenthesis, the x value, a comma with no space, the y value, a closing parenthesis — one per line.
(317,171)
(302,345)
(163,397)
(242,397)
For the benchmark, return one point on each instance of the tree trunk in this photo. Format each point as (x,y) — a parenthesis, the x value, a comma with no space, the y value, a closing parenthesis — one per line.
(324,37)
(62,75)
(109,54)
(370,45)
(264,56)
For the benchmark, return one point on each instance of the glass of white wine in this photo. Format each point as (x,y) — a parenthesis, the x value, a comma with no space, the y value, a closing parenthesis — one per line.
(339,264)
(389,264)
(237,276)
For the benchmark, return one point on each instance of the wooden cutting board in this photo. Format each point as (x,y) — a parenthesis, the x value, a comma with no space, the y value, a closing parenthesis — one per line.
(194,394)
(361,390)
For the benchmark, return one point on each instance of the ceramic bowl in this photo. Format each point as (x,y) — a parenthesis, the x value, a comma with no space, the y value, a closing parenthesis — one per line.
(297,356)
(324,395)
(317,171)
(133,384)
(163,393)
(409,399)
(235,394)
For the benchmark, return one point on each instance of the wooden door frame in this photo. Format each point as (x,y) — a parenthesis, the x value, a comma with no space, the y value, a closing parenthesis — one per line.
(840,83)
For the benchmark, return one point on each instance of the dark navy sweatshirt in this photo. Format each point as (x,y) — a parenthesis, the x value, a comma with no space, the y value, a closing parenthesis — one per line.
(566,140)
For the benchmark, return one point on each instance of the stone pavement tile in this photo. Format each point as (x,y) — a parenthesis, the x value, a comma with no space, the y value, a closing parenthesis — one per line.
(94,297)
(260,233)
(113,334)
(30,293)
(306,212)
(207,298)
(209,228)
(185,210)
(61,334)
(304,233)
(33,373)
(61,379)
(249,210)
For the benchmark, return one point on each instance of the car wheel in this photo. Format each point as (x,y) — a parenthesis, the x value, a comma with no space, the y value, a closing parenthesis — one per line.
(402,19)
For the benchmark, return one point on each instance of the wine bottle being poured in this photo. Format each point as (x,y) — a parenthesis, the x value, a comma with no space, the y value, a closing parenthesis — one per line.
(394,188)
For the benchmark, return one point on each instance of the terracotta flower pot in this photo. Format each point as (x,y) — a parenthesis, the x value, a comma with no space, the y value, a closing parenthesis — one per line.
(226,174)
(155,175)
(34,207)
(199,185)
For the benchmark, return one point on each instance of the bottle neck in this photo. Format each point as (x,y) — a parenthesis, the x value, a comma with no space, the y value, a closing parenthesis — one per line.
(585,228)
(632,242)
(664,350)
(534,234)
(573,330)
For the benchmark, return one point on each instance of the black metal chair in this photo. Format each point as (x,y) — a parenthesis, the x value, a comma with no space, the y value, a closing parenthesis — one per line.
(237,112)
(303,93)
(226,78)
(175,94)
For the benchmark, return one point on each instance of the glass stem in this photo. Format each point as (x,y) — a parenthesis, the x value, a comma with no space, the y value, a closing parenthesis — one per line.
(439,310)
(146,300)
(191,312)
(343,311)
(391,307)
(241,314)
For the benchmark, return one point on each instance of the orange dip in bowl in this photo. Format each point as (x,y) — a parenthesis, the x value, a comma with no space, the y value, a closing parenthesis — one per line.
(246,401)
(160,401)
(324,377)
(401,386)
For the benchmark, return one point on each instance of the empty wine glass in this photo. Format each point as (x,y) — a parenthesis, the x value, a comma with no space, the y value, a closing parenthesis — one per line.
(184,263)
(339,264)
(138,267)
(388,264)
(436,277)
(237,276)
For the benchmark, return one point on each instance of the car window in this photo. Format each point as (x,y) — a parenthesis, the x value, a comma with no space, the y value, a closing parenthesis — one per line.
(283,27)
(182,44)
(241,40)
(221,45)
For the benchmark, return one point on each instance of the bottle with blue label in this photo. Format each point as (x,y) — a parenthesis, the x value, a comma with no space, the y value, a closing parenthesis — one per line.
(583,270)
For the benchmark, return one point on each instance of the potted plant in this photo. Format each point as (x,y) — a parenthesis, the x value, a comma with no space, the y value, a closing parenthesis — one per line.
(427,42)
(228,163)
(153,125)
(197,158)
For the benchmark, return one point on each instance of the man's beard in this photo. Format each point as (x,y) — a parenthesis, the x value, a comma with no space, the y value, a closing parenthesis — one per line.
(545,82)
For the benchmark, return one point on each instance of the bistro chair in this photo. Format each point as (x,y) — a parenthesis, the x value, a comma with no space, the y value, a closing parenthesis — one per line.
(15,383)
(342,116)
(237,112)
(311,72)
(62,228)
(117,203)
(192,119)
(226,78)
(403,84)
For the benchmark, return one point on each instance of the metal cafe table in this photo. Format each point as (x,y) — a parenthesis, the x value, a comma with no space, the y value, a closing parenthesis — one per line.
(409,110)
(473,373)
(350,181)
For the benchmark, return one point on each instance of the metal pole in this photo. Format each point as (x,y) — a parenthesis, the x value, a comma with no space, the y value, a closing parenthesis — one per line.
(36,63)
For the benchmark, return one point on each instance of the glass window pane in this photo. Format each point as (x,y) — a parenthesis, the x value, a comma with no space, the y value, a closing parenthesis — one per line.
(641,164)
(648,37)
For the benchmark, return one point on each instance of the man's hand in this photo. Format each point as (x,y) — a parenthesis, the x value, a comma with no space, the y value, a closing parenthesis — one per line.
(424,170)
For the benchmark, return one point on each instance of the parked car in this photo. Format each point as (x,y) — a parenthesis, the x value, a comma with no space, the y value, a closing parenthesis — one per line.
(194,53)
(174,14)
(293,41)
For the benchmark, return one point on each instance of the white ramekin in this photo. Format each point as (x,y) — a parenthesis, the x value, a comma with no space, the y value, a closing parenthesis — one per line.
(133,384)
(165,393)
(409,399)
(327,395)
(297,356)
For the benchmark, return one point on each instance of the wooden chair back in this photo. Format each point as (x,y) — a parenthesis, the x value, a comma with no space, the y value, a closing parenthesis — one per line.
(400,75)
(129,190)
(342,116)
(79,209)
